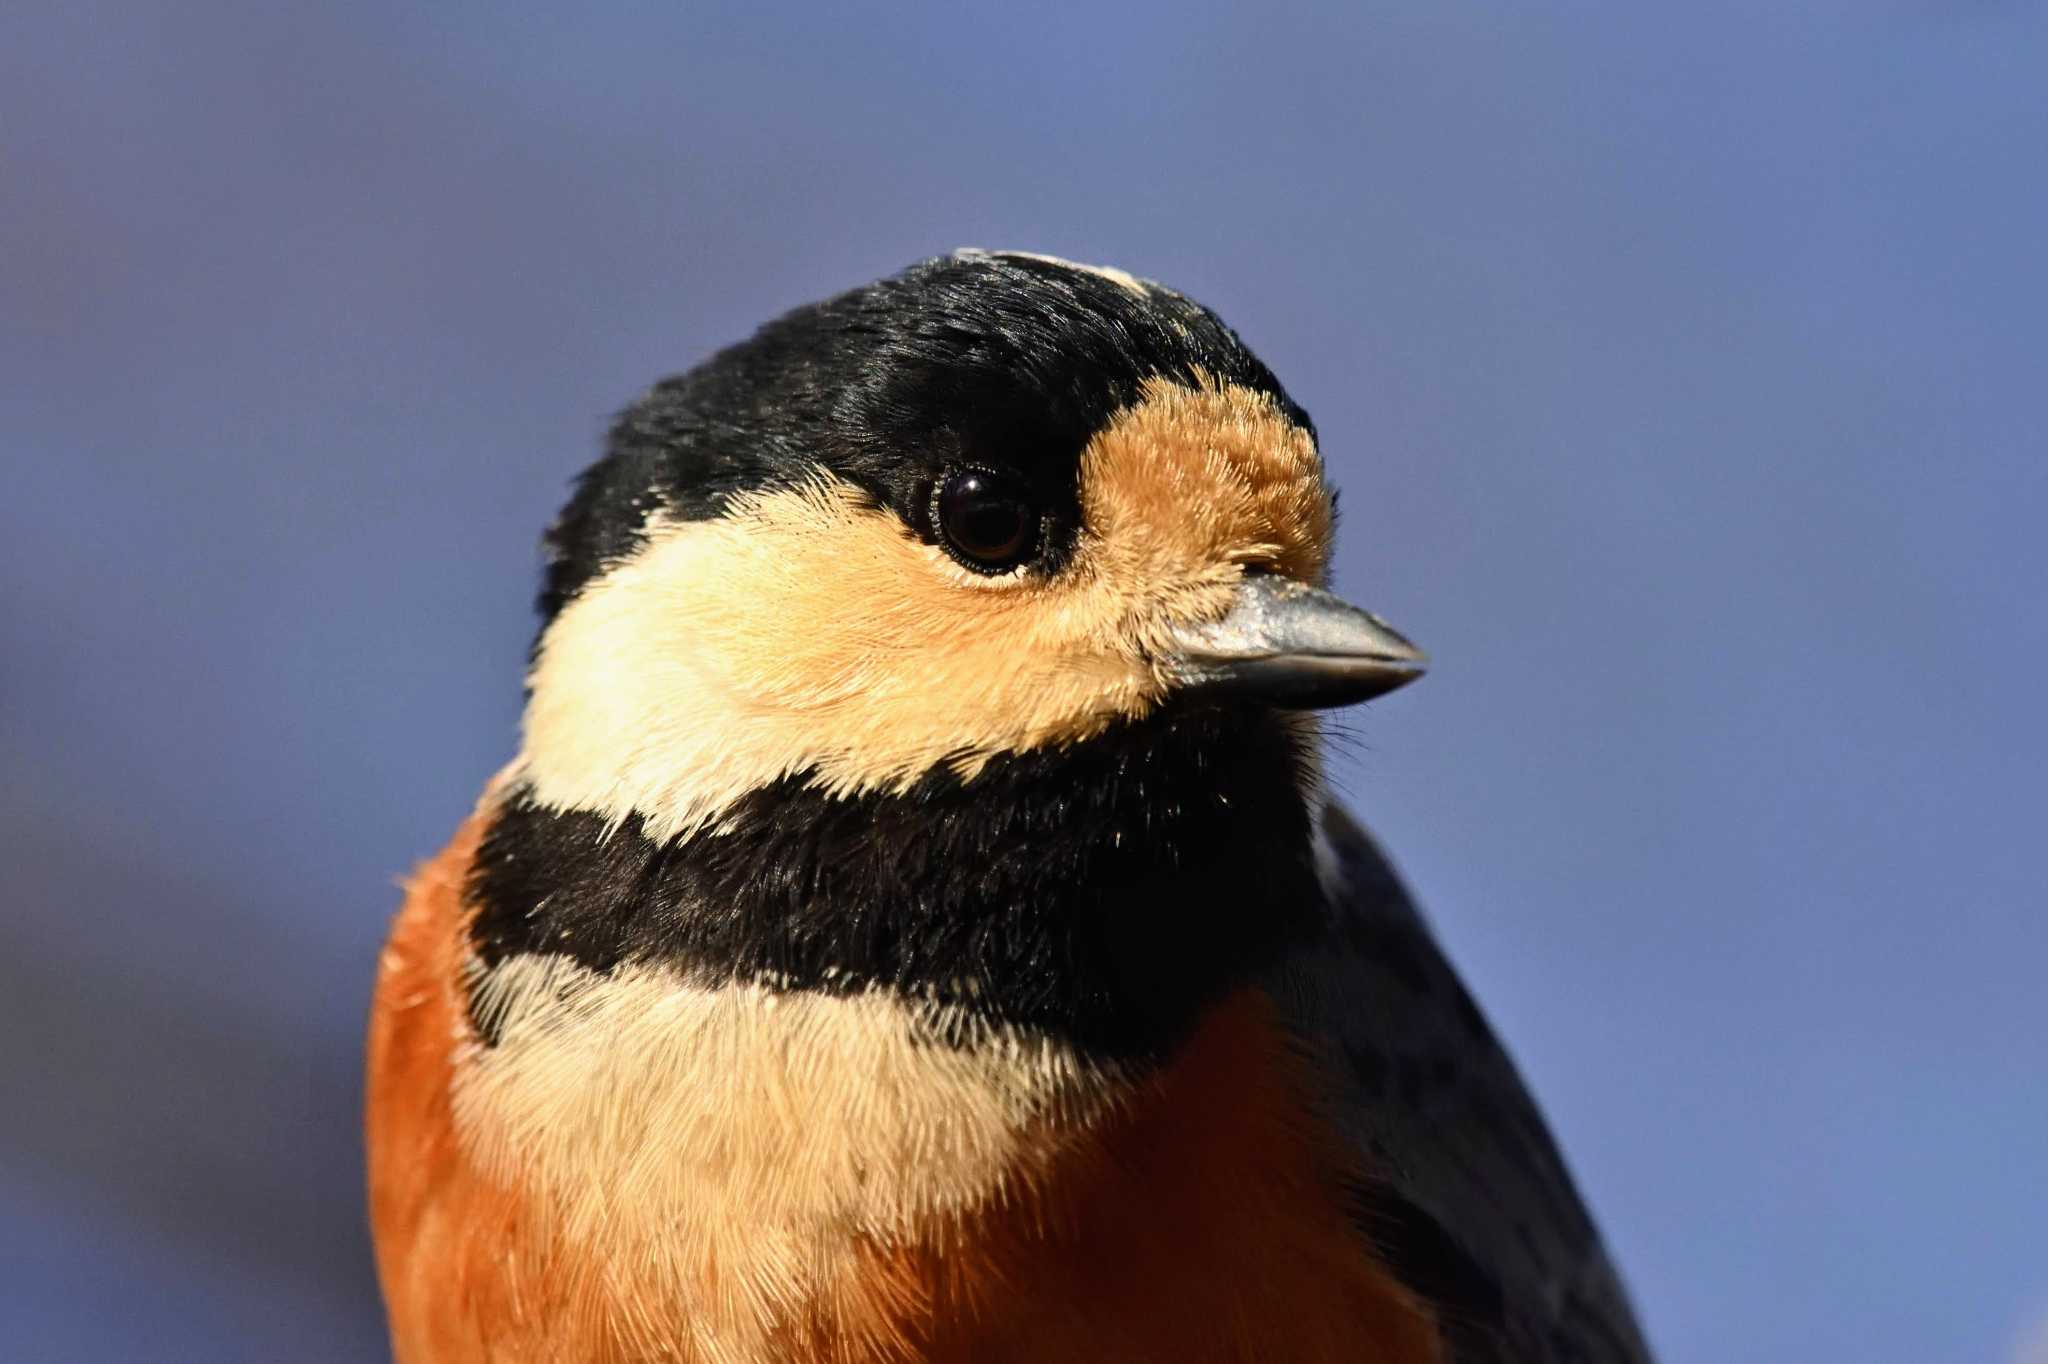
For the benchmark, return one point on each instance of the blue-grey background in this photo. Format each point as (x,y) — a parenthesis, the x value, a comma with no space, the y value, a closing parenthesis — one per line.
(1683,365)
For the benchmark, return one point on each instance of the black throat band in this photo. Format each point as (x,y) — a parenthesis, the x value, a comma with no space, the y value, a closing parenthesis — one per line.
(1103,893)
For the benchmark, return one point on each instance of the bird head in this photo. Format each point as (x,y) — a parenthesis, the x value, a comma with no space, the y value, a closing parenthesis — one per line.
(995,505)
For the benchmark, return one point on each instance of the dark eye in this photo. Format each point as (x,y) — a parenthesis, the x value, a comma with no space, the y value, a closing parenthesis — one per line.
(985,520)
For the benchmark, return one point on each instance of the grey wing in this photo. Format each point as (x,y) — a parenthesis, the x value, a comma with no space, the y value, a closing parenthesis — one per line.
(1462,1188)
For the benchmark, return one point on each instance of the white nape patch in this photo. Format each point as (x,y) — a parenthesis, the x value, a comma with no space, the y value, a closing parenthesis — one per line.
(1122,278)
(748,1129)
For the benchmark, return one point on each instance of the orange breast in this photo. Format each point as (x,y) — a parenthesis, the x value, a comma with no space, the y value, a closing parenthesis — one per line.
(1202,1222)
(1206,1225)
(450,1248)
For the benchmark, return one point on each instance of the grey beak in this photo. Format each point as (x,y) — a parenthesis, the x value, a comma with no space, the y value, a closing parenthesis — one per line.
(1291,645)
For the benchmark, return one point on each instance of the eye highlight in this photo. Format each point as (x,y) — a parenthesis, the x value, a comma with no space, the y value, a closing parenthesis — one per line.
(985,520)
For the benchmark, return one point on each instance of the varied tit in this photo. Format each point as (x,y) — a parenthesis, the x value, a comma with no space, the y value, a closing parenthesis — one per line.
(915,926)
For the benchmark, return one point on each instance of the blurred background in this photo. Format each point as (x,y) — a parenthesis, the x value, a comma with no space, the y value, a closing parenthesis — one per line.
(1682,366)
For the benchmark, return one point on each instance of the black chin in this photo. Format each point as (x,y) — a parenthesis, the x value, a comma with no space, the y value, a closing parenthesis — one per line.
(1103,893)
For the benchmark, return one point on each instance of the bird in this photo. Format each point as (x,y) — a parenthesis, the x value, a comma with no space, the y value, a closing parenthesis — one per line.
(916,925)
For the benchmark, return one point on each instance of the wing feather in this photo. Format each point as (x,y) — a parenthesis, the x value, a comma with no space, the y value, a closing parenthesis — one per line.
(1462,1187)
